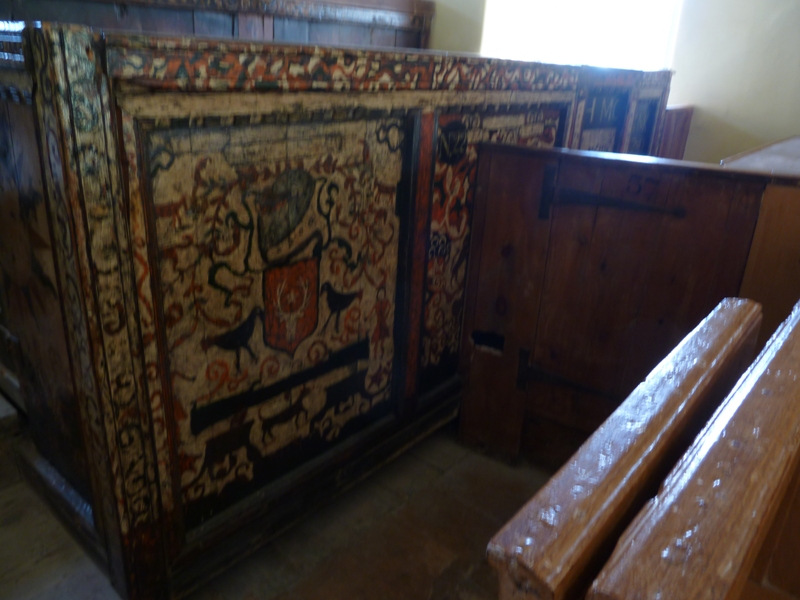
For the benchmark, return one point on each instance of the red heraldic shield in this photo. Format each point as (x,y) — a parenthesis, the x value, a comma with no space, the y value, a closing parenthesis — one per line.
(291,297)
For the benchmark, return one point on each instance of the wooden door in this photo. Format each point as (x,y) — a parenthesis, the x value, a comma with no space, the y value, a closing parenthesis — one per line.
(628,258)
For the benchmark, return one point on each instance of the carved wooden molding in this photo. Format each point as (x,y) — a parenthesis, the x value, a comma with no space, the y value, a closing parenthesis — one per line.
(412,14)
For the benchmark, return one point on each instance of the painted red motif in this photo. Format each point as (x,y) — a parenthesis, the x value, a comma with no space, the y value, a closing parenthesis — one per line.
(185,64)
(290,298)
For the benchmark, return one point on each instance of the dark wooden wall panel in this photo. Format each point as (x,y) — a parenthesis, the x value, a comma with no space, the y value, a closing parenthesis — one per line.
(677,122)
(33,300)
(72,11)
(254,27)
(383,23)
(333,34)
(407,38)
(213,24)
(383,37)
(114,17)
(164,20)
(291,31)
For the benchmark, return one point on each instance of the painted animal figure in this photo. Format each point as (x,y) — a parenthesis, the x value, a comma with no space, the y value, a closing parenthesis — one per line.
(338,302)
(238,338)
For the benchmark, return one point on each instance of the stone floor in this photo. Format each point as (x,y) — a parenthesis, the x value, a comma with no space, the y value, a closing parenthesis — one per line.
(417,529)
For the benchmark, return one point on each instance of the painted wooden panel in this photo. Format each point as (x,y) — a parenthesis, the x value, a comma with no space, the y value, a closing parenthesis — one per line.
(233,355)
(454,182)
(266,289)
(277,248)
(649,269)
(604,114)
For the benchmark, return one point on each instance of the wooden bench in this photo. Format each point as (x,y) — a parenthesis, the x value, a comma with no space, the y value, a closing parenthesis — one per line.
(725,523)
(559,540)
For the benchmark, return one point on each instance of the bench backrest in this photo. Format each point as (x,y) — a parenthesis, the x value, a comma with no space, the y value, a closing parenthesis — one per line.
(701,535)
(559,540)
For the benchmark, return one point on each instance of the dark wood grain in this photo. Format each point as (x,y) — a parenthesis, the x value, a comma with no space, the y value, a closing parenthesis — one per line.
(677,123)
(756,591)
(212,24)
(334,34)
(254,27)
(423,184)
(381,36)
(505,278)
(407,38)
(637,253)
(33,300)
(770,275)
(291,31)
(384,23)
(118,16)
(607,250)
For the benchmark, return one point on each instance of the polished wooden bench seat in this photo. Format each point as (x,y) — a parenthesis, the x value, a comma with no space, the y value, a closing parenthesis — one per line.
(707,533)
(559,540)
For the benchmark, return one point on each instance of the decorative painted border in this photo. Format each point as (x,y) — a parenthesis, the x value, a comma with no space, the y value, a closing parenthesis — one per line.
(48,71)
(186,64)
(84,190)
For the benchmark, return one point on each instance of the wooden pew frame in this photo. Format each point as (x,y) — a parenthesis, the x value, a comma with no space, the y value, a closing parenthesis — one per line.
(559,540)
(715,526)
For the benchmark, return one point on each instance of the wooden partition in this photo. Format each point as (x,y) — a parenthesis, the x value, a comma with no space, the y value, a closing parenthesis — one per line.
(771,276)
(587,268)
(677,124)
(557,542)
(707,532)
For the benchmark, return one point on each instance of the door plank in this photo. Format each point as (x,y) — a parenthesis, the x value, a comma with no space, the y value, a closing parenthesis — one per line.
(509,271)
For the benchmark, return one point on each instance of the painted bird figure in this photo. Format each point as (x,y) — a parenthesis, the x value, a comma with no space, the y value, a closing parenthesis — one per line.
(338,301)
(238,338)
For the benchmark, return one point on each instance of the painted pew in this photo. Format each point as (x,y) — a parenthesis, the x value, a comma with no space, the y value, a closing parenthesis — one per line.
(249,264)
(724,524)
(554,546)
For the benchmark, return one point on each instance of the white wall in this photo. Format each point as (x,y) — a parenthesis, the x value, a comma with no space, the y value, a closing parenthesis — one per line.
(458,25)
(738,62)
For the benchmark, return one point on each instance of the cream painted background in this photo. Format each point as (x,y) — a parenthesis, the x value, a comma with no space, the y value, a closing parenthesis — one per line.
(736,61)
